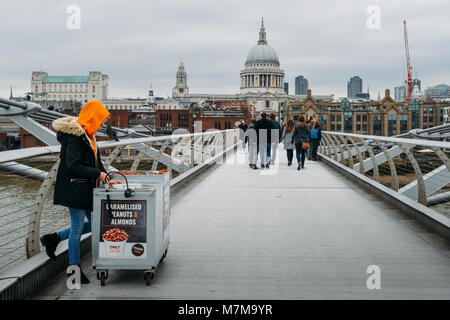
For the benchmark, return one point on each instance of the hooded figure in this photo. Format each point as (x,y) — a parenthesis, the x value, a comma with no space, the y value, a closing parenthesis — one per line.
(80,165)
(79,172)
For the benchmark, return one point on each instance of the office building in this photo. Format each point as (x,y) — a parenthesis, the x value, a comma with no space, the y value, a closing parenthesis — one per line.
(301,85)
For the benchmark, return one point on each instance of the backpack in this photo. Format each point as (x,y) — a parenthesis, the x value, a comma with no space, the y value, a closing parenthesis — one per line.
(315,134)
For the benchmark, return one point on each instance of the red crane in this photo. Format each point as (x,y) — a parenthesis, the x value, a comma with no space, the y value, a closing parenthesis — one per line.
(408,64)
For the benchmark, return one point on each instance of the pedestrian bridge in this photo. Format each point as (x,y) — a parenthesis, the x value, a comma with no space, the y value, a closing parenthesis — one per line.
(370,220)
(237,233)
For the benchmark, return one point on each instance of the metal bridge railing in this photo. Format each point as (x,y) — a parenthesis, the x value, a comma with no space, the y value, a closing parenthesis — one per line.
(27,177)
(416,168)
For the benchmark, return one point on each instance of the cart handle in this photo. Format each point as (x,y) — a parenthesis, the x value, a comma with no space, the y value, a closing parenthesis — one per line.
(128,192)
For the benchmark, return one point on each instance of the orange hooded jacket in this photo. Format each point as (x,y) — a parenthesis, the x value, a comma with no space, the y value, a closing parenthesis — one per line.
(91,118)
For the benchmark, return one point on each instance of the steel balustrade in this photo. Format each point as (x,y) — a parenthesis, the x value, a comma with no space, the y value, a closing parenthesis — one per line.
(422,165)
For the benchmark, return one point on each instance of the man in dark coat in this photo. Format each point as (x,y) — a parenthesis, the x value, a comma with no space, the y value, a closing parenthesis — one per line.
(263,129)
(242,128)
(275,139)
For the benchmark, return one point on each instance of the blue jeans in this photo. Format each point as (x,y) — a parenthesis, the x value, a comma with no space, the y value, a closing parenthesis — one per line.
(264,153)
(77,227)
(300,153)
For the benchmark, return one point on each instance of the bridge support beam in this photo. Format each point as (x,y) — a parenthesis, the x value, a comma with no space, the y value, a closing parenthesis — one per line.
(359,154)
(376,175)
(394,181)
(32,241)
(421,194)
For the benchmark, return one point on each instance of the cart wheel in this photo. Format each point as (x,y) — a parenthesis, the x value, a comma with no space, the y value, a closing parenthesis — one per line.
(102,279)
(105,272)
(148,276)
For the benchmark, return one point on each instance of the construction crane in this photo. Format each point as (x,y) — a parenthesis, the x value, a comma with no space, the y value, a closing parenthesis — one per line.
(408,63)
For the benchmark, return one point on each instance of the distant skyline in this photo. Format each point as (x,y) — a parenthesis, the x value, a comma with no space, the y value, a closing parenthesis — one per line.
(140,43)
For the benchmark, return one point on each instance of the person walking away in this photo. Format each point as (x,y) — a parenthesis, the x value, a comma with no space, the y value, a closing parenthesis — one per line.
(309,122)
(242,128)
(288,132)
(251,138)
(275,138)
(301,139)
(79,172)
(316,136)
(263,129)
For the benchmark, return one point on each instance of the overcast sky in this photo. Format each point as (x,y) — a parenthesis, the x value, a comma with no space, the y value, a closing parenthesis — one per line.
(138,43)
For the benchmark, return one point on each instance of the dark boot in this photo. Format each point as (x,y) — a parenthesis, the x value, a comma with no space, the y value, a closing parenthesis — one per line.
(84,279)
(50,242)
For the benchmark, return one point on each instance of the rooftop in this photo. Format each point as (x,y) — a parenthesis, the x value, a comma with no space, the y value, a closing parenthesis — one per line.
(63,79)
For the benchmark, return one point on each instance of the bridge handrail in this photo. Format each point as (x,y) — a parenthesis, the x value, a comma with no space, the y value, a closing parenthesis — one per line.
(20,154)
(417,142)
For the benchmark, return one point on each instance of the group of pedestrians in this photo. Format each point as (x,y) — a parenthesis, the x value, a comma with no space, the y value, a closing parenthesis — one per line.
(264,135)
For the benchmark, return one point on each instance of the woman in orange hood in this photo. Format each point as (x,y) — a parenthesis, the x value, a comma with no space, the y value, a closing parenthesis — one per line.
(79,172)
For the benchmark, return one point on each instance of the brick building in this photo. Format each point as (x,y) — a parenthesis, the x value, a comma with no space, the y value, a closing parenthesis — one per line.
(385,117)
(220,115)
(119,118)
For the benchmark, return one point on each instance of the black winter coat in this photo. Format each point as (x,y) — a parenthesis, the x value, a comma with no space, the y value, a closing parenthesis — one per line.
(264,124)
(277,125)
(243,128)
(79,169)
(250,135)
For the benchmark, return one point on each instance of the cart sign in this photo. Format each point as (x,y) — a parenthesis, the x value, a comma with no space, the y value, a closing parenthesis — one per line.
(123,229)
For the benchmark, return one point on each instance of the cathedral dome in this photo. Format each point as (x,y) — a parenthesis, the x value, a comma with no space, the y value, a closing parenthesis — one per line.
(262,71)
(262,53)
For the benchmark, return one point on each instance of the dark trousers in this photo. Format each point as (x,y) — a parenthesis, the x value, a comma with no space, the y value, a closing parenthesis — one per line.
(290,154)
(314,152)
(300,153)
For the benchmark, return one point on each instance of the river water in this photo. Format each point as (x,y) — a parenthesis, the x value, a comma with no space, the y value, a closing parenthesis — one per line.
(17,205)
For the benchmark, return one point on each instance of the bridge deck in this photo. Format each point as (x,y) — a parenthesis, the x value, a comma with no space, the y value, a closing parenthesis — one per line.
(238,234)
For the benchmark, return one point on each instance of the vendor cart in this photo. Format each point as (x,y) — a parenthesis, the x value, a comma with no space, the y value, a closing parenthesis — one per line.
(130,224)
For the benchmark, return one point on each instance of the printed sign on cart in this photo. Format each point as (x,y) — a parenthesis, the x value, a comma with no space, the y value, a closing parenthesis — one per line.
(123,229)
